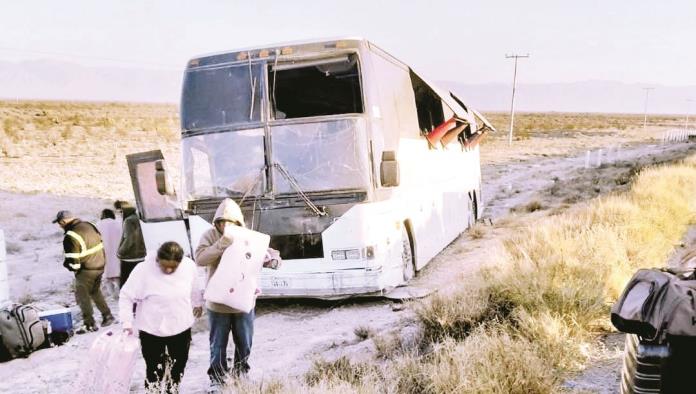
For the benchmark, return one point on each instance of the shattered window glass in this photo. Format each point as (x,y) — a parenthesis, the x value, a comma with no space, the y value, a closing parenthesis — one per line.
(321,156)
(226,164)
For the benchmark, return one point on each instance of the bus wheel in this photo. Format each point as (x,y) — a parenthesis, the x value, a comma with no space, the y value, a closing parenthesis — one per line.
(409,269)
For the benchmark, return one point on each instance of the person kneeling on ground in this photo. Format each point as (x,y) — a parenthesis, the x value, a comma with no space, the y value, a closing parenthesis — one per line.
(168,294)
(223,319)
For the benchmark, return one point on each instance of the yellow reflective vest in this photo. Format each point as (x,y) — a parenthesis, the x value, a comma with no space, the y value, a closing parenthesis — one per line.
(83,247)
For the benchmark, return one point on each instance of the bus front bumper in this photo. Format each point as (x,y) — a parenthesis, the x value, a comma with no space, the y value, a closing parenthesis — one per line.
(326,285)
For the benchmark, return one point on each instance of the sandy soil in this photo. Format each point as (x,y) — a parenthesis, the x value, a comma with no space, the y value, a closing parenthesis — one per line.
(289,335)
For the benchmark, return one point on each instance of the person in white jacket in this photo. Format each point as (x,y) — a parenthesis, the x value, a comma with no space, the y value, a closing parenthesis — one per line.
(110,230)
(168,298)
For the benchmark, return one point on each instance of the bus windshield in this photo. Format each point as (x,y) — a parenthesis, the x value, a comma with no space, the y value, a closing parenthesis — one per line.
(322,156)
(221,96)
(228,164)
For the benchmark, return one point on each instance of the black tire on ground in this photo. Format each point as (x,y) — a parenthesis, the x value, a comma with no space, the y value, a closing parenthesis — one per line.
(409,268)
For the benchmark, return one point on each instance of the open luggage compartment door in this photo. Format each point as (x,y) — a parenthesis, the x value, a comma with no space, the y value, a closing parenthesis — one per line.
(152,206)
(162,220)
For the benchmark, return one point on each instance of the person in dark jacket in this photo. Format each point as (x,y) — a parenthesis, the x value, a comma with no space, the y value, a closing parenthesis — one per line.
(131,250)
(84,255)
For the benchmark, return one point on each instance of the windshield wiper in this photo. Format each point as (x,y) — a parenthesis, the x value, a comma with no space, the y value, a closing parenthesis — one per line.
(252,83)
(283,171)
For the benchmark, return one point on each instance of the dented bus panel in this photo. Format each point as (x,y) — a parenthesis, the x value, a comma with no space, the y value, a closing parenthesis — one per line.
(359,169)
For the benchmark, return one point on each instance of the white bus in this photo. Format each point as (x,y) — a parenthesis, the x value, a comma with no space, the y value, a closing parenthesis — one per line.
(359,170)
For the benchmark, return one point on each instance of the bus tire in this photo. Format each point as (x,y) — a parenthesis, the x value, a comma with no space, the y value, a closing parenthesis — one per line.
(409,268)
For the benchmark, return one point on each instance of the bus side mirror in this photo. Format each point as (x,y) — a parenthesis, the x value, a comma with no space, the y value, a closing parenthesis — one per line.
(389,169)
(164,186)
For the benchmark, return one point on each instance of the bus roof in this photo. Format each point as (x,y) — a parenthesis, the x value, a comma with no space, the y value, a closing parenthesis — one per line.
(306,47)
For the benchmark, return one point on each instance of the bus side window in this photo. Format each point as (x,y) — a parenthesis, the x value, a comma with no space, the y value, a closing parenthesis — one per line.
(428,105)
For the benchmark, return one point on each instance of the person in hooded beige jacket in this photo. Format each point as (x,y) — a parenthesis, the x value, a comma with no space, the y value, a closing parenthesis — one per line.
(223,319)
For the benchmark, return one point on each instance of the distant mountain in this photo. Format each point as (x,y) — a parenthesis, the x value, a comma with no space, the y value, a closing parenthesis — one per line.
(588,96)
(53,80)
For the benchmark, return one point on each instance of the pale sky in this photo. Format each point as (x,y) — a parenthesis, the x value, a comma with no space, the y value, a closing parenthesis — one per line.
(627,41)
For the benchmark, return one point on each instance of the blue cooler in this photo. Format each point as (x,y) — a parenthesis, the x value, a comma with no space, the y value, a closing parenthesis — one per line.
(61,319)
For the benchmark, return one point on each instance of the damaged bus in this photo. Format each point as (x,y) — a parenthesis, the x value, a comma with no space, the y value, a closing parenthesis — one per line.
(359,169)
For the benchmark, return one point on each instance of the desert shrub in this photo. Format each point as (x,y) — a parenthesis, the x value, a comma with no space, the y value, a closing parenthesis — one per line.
(454,314)
(12,127)
(272,386)
(477,231)
(387,345)
(490,360)
(340,370)
(533,206)
(363,332)
(557,339)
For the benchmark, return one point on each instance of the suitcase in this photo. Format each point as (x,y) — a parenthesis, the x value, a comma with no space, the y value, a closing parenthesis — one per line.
(658,367)
(21,329)
(109,364)
(235,280)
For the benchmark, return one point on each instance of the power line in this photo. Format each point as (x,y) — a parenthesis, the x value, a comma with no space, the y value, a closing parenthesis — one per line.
(75,56)
(514,84)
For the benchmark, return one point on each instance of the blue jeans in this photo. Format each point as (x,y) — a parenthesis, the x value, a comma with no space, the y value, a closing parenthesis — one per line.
(242,327)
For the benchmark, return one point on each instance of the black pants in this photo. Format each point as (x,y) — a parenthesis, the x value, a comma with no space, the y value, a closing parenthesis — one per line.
(165,359)
(126,269)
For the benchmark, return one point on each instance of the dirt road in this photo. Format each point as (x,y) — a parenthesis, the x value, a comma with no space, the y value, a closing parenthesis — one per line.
(290,334)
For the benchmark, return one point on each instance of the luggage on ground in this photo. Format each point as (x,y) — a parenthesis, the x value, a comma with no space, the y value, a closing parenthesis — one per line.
(657,310)
(109,364)
(61,324)
(637,310)
(643,365)
(665,366)
(21,330)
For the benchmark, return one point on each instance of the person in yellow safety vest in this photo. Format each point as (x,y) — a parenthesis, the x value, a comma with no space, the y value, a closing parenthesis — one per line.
(84,255)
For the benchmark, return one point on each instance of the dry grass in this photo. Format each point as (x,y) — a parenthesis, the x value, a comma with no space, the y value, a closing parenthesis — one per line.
(535,124)
(40,141)
(455,314)
(541,306)
(489,361)
(341,370)
(477,231)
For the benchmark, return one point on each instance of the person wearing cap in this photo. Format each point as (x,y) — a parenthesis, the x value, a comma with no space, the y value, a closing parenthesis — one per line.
(221,318)
(84,255)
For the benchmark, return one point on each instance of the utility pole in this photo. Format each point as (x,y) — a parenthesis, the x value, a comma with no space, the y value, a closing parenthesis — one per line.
(688,107)
(514,84)
(645,111)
